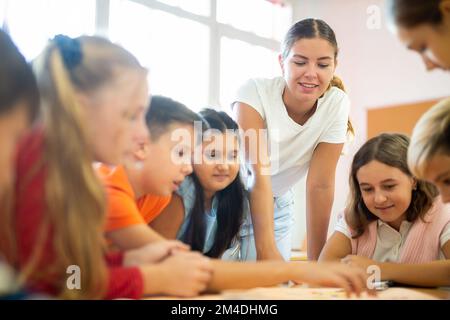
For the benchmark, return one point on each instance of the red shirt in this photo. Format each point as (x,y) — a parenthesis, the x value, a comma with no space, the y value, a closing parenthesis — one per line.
(123,282)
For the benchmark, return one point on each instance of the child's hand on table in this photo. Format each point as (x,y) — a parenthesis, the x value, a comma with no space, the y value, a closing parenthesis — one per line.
(350,278)
(153,252)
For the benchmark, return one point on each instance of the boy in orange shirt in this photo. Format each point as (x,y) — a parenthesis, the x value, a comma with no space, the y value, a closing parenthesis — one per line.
(137,193)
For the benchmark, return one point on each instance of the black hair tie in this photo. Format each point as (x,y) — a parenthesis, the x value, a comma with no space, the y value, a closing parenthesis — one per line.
(70,50)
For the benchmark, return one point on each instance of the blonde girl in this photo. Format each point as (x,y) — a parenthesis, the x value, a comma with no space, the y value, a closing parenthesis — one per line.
(94,97)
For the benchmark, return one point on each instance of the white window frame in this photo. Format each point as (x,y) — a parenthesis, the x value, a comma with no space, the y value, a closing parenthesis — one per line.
(217,31)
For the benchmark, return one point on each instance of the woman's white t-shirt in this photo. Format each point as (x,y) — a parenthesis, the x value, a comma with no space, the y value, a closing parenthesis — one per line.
(291,145)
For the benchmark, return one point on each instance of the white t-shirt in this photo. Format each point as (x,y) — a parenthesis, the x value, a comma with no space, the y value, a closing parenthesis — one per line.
(390,241)
(291,145)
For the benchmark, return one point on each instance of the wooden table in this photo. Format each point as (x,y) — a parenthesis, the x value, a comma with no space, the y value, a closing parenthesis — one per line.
(296,292)
(304,293)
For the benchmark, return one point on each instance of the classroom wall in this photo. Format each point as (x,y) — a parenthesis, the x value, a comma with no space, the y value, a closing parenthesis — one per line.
(377,71)
(399,118)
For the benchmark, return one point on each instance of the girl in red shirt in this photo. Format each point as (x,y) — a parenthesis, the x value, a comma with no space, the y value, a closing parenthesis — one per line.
(94,96)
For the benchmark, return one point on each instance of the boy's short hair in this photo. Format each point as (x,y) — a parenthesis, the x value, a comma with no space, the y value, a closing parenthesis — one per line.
(165,111)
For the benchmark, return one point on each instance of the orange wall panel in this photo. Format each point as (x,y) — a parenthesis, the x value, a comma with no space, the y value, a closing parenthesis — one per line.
(400,118)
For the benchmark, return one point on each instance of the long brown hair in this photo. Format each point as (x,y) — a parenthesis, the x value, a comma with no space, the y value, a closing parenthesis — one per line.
(309,29)
(411,13)
(390,149)
(74,196)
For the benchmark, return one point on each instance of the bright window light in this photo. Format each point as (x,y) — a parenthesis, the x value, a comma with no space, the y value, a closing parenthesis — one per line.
(241,61)
(260,17)
(175,50)
(200,7)
(32,23)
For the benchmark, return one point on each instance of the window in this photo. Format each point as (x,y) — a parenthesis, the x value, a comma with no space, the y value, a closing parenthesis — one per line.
(200,51)
(32,23)
(201,7)
(241,61)
(197,51)
(267,20)
(175,50)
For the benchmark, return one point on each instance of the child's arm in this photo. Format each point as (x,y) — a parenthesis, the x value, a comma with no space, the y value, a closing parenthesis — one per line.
(153,252)
(336,248)
(169,221)
(431,274)
(133,237)
(184,274)
(244,275)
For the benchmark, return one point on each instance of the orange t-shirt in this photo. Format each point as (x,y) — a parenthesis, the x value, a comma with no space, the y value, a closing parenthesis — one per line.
(123,210)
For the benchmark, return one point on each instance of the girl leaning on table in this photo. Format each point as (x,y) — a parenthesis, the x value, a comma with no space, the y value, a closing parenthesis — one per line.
(393,219)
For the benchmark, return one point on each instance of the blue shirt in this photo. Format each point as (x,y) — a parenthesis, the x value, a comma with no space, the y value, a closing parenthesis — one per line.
(187,192)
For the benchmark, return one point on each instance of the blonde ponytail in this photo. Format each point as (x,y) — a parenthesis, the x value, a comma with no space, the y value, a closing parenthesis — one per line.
(75,201)
(338,83)
(75,196)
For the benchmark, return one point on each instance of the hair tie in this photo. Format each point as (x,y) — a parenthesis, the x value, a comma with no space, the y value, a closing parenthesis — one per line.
(70,50)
